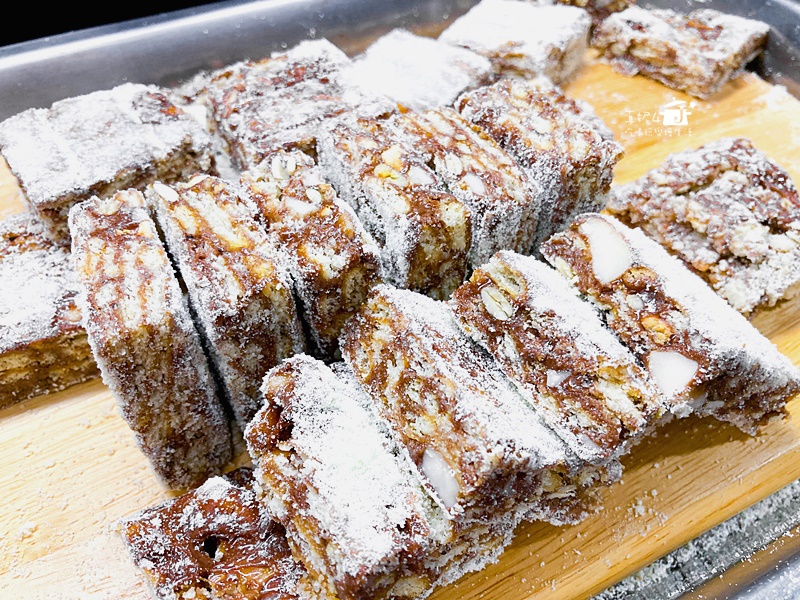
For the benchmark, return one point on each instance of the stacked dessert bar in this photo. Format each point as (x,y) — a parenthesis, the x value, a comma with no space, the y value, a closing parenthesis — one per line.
(401,421)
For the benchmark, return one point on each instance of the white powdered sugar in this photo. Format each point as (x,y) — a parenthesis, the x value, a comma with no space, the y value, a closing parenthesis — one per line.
(524,39)
(416,72)
(37,295)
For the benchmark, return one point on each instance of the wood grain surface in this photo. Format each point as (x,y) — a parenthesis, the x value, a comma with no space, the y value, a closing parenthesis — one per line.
(70,468)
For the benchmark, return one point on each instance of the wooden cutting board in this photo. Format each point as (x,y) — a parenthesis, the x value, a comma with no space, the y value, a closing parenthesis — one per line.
(70,467)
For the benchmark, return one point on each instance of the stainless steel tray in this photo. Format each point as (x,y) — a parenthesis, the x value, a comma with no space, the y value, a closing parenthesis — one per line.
(170,48)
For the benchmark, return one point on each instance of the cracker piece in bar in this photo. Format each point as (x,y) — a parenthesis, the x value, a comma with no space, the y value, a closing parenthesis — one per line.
(502,200)
(560,143)
(424,232)
(354,510)
(482,449)
(332,260)
(213,543)
(696,53)
(523,39)
(554,346)
(43,346)
(280,102)
(144,341)
(704,355)
(729,213)
(98,144)
(239,293)
(417,72)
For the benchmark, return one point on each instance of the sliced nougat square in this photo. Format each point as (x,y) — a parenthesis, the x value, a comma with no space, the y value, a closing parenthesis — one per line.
(696,52)
(705,356)
(524,39)
(424,232)
(213,543)
(502,200)
(484,451)
(145,343)
(99,143)
(560,143)
(355,512)
(43,346)
(728,212)
(239,292)
(554,346)
(281,102)
(332,260)
(417,72)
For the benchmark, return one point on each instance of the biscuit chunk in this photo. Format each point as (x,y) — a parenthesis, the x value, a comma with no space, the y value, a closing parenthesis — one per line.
(554,346)
(424,232)
(239,293)
(559,142)
(525,40)
(98,144)
(43,346)
(281,102)
(355,512)
(417,72)
(502,200)
(213,543)
(144,340)
(480,446)
(728,212)
(696,53)
(332,260)
(704,356)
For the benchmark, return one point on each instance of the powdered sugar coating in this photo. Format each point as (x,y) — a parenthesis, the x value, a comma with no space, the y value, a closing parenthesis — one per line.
(524,39)
(352,507)
(697,53)
(559,142)
(209,544)
(503,201)
(417,72)
(555,348)
(144,340)
(449,404)
(424,231)
(240,295)
(661,309)
(43,346)
(281,102)
(729,213)
(332,260)
(99,143)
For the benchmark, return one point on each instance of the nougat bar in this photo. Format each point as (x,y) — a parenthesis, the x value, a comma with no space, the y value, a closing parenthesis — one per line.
(502,200)
(483,450)
(705,356)
(99,143)
(280,102)
(355,511)
(696,53)
(728,212)
(560,143)
(585,384)
(598,9)
(417,72)
(213,543)
(424,232)
(525,40)
(144,340)
(43,346)
(332,260)
(240,295)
